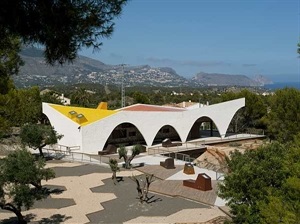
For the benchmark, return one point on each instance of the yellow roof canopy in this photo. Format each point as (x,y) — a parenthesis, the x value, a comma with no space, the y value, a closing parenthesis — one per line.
(82,115)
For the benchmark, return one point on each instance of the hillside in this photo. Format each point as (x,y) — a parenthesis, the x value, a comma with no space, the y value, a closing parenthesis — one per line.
(87,70)
(214,79)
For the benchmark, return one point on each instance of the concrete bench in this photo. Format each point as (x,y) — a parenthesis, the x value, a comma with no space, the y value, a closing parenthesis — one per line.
(110,149)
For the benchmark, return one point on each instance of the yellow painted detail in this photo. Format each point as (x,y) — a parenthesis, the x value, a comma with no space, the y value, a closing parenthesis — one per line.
(72,114)
(80,119)
(102,105)
(89,115)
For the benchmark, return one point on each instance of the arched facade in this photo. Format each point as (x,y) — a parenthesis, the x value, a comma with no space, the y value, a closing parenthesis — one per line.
(167,131)
(125,134)
(203,127)
(91,128)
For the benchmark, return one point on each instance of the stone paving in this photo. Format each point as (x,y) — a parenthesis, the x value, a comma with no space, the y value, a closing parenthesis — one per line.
(88,195)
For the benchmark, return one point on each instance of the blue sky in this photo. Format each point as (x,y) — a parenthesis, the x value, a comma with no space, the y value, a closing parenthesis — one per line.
(247,37)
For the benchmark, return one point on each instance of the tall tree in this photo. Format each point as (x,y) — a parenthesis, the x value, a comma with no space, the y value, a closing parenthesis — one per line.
(62,26)
(38,136)
(20,181)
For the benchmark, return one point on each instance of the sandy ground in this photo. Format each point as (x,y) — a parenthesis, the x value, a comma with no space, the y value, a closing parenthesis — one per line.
(78,188)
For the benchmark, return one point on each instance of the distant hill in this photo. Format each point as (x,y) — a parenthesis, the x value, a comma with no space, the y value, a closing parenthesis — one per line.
(86,70)
(215,79)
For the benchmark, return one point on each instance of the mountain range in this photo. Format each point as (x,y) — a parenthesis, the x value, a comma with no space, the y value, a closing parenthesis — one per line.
(86,70)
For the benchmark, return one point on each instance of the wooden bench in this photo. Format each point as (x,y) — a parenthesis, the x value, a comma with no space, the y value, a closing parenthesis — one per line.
(203,182)
(168,163)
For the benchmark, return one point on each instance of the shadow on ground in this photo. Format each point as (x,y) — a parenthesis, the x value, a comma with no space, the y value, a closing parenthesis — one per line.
(79,170)
(127,205)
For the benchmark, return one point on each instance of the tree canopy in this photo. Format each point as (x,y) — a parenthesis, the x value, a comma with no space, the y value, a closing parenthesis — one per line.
(61,26)
(263,185)
(38,136)
(19,107)
(283,118)
(20,181)
(123,153)
(10,61)
(249,116)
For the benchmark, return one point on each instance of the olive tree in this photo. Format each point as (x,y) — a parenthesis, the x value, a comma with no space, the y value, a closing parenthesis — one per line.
(37,136)
(123,153)
(113,164)
(20,181)
(142,186)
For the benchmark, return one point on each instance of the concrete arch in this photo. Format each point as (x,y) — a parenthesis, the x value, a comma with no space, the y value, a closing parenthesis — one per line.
(233,131)
(194,132)
(171,134)
(221,114)
(125,133)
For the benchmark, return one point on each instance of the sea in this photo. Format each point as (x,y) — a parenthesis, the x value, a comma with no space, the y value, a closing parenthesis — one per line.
(281,85)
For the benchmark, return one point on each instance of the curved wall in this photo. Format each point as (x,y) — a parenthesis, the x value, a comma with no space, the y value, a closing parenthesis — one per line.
(92,137)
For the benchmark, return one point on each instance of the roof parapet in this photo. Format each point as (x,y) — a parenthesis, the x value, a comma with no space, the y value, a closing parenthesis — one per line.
(102,106)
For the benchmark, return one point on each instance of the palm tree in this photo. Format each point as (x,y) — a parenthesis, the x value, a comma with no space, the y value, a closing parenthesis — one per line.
(81,97)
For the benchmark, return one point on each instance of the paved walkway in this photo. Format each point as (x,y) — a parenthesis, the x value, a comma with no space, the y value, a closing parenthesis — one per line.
(88,195)
(170,182)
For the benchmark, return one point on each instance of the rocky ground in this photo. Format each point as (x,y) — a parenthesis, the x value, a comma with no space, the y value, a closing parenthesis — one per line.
(214,156)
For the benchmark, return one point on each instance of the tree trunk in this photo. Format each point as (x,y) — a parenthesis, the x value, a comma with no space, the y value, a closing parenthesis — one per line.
(12,208)
(20,218)
(114,177)
(41,151)
(127,164)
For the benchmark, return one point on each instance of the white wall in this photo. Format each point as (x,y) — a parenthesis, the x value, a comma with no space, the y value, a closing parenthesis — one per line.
(63,125)
(96,134)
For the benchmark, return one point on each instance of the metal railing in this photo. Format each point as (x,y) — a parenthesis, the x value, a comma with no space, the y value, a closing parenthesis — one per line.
(67,153)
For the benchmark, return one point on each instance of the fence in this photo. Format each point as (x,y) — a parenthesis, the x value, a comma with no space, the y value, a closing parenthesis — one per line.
(69,153)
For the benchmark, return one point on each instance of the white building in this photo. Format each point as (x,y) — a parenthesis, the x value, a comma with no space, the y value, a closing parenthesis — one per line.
(93,129)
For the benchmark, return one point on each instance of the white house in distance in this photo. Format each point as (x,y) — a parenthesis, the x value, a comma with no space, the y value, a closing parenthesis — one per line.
(93,129)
